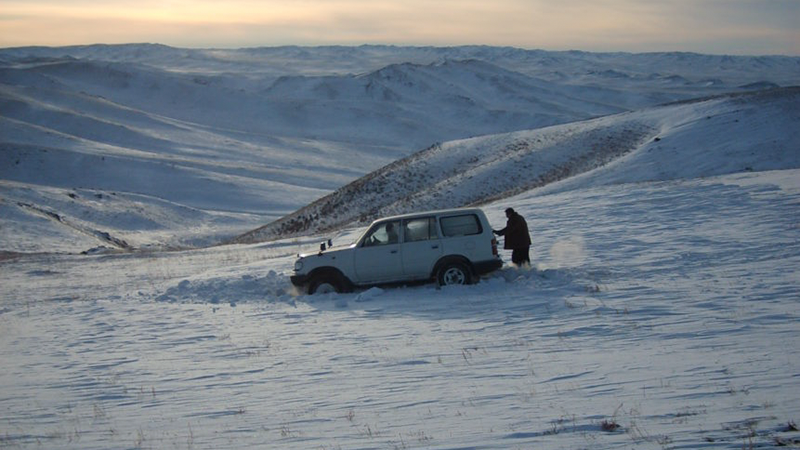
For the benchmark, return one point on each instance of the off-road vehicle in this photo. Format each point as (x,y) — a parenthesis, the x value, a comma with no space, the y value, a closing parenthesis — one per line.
(453,246)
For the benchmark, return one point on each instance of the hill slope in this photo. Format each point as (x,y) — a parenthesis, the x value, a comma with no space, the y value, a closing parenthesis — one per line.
(756,131)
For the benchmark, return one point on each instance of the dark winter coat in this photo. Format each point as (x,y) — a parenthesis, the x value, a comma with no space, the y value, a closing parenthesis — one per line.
(516,233)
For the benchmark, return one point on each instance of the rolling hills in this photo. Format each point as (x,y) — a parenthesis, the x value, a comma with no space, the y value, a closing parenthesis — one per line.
(160,147)
(661,310)
(747,132)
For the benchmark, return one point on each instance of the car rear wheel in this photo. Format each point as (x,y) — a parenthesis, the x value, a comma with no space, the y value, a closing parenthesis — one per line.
(454,274)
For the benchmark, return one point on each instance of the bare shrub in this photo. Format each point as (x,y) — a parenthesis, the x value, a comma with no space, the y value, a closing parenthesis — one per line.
(609,426)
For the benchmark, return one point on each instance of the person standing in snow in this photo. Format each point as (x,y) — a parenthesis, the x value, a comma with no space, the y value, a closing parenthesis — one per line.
(517,238)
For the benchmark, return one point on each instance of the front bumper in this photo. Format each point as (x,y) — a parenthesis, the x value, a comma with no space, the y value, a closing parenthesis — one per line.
(299,280)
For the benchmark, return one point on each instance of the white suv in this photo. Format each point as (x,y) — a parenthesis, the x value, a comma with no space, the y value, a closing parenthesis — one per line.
(453,246)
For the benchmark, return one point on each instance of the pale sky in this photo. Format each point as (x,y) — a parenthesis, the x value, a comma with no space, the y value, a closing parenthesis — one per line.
(750,27)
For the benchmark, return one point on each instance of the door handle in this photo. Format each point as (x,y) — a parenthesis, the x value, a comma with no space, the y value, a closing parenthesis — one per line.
(393,252)
(434,246)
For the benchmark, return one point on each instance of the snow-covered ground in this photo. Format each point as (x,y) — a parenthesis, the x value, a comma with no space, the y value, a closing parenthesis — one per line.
(668,308)
(661,312)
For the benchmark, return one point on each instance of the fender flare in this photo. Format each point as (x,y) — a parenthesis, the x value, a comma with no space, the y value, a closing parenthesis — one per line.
(347,284)
(449,259)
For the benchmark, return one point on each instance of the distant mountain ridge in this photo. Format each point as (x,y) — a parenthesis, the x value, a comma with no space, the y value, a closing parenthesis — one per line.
(339,60)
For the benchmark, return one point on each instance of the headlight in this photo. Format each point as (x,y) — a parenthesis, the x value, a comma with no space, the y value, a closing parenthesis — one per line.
(298,265)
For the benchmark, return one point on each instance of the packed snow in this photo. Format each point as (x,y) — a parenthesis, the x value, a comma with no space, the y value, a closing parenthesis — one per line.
(661,310)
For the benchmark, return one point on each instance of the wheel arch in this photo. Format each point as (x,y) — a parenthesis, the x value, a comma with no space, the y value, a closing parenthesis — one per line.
(450,259)
(329,271)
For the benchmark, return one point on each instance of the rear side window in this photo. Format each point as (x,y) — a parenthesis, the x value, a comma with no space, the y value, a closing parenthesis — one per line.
(465,225)
(423,229)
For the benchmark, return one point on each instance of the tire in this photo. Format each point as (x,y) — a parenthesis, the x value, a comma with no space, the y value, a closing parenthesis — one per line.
(325,284)
(454,274)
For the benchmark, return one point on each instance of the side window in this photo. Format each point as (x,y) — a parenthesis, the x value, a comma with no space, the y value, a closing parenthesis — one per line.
(461,225)
(420,229)
(383,234)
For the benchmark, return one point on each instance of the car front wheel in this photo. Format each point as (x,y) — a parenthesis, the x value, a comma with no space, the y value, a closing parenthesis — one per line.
(324,284)
(454,274)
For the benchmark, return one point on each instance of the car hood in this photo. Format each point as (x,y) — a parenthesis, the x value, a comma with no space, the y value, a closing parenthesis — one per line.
(331,252)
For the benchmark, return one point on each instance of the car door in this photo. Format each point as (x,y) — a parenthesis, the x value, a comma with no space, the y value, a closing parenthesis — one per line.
(421,247)
(378,257)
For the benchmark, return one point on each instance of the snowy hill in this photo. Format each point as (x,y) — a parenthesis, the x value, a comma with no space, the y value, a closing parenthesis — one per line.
(728,134)
(203,145)
(661,310)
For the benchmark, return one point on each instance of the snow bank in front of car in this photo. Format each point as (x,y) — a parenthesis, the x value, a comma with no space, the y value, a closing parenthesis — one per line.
(227,290)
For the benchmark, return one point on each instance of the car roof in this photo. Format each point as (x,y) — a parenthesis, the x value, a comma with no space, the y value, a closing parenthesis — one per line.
(438,212)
